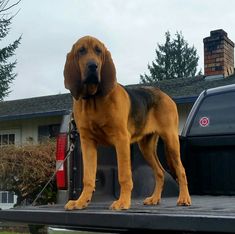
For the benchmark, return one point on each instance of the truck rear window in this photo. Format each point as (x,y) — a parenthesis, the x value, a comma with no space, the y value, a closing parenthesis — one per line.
(215,115)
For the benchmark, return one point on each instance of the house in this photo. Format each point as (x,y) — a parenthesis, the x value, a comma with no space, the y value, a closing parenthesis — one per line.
(33,119)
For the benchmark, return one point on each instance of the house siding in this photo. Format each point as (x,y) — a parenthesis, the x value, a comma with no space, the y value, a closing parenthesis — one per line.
(27,130)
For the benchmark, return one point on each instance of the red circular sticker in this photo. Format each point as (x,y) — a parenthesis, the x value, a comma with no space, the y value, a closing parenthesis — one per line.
(204,121)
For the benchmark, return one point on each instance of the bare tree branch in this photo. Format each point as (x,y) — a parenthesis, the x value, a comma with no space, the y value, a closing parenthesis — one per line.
(4,3)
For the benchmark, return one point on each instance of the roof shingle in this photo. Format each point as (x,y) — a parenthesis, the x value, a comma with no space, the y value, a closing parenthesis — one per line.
(38,106)
(191,86)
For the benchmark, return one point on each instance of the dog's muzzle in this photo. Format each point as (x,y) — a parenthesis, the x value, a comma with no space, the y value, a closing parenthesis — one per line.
(91,81)
(92,76)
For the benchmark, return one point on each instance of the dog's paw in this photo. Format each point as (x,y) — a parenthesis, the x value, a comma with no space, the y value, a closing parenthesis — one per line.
(152,200)
(70,205)
(184,201)
(77,205)
(120,205)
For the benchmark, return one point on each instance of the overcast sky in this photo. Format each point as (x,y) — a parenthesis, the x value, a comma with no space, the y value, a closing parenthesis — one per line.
(130,29)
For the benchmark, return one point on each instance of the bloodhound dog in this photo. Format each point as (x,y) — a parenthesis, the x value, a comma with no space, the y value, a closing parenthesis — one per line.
(106,113)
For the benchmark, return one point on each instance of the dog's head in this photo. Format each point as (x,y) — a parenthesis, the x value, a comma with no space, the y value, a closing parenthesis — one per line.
(89,69)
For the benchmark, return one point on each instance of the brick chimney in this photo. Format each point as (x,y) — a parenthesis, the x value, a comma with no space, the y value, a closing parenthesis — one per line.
(218,54)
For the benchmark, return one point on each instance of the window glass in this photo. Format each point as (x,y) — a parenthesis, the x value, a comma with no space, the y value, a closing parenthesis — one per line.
(7,139)
(11,139)
(4,197)
(216,115)
(48,131)
(10,197)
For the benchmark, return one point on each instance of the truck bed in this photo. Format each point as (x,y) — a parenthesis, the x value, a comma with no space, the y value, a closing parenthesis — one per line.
(207,214)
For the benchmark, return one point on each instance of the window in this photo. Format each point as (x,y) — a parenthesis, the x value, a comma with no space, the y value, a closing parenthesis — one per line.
(6,197)
(7,139)
(10,137)
(216,115)
(48,131)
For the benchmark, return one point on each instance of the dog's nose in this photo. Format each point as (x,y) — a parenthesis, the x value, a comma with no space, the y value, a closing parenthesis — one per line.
(92,66)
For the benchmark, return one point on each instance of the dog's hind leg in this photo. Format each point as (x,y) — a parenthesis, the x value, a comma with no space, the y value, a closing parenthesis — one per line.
(172,151)
(148,148)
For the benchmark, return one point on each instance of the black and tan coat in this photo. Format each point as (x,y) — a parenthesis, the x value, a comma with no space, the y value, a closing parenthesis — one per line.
(106,113)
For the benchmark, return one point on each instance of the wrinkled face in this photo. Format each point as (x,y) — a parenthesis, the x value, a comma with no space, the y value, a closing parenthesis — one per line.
(89,69)
(89,56)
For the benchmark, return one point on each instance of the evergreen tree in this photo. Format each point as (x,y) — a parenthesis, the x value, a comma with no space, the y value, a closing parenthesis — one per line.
(7,74)
(174,59)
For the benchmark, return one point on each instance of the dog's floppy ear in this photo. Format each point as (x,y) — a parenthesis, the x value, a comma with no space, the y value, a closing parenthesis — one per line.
(72,75)
(108,74)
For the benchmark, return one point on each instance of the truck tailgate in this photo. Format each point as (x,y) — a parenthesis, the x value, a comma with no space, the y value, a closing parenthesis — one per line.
(207,214)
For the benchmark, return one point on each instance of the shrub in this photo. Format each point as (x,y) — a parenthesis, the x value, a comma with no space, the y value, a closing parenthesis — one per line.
(26,169)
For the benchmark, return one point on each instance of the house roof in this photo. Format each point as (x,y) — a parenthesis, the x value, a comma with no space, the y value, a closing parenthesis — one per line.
(182,90)
(189,87)
(35,107)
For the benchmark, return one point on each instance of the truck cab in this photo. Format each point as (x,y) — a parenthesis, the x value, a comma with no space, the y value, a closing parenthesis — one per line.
(208,143)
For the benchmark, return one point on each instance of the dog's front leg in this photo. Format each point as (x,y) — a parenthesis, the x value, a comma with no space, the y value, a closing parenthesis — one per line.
(124,175)
(89,156)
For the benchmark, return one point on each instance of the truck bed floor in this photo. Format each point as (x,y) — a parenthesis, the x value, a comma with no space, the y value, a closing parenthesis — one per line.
(207,214)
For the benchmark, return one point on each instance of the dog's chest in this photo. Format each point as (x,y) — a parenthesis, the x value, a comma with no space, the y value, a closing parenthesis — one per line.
(98,126)
(101,132)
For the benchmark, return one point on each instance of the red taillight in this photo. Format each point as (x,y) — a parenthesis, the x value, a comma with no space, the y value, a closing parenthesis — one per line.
(61,175)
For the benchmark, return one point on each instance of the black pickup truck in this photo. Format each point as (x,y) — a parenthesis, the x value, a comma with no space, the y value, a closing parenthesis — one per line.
(208,154)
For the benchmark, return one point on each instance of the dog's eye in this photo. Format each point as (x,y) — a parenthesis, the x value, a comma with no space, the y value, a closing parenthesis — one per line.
(98,50)
(82,50)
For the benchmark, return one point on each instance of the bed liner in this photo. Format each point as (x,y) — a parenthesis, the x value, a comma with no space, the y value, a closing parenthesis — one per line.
(207,214)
